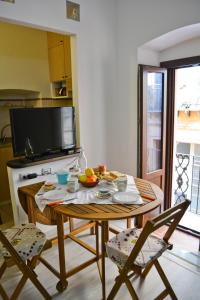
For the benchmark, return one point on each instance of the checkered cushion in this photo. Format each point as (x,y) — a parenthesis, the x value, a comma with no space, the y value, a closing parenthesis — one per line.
(27,240)
(119,248)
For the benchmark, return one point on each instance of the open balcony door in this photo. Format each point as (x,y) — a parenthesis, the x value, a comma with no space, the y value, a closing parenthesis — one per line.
(152,124)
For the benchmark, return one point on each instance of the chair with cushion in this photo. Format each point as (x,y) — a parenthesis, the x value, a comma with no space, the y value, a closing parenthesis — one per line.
(22,245)
(135,251)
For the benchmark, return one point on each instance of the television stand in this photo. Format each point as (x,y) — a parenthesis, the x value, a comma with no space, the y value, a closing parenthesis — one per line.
(37,160)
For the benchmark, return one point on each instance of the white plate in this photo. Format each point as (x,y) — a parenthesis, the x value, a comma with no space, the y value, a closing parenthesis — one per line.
(55,195)
(127,198)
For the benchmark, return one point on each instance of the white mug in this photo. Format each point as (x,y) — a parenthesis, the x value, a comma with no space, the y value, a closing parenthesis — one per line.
(121,183)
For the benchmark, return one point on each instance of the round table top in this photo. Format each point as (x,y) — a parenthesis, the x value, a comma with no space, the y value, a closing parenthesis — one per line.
(151,194)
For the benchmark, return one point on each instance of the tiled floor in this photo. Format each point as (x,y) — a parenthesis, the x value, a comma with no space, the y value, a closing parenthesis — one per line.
(185,241)
(191,220)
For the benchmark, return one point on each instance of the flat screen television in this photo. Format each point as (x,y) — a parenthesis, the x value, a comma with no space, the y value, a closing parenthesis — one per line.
(42,131)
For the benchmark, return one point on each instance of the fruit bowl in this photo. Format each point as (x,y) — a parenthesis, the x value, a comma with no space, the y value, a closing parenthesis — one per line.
(90,184)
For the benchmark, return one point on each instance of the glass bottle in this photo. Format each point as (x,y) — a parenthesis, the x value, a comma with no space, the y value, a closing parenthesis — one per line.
(82,161)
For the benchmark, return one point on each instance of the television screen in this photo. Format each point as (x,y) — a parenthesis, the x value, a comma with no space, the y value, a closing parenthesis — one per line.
(43,130)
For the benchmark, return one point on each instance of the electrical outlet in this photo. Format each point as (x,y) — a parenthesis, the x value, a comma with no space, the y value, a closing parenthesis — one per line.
(21,177)
(27,176)
(46,171)
(73,11)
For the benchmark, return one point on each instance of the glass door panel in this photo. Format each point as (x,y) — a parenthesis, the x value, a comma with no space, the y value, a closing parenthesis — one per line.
(154,121)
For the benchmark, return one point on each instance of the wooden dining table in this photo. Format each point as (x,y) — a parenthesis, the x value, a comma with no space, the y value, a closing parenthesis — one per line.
(97,215)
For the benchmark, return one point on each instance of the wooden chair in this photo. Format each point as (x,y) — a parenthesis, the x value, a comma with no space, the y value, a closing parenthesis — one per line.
(22,245)
(135,251)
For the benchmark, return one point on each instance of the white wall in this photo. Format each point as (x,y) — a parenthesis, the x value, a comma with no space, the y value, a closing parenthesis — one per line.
(148,57)
(95,58)
(108,108)
(186,49)
(138,23)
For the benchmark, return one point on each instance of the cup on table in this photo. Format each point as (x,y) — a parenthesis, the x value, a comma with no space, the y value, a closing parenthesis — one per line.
(72,185)
(121,183)
(62,177)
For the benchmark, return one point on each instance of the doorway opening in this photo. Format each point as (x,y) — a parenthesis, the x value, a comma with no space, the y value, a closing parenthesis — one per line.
(186,156)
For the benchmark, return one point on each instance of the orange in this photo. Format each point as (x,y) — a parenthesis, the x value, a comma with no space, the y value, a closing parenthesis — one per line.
(92,178)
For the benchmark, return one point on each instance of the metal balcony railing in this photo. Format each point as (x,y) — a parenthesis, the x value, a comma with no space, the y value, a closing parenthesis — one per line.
(187,180)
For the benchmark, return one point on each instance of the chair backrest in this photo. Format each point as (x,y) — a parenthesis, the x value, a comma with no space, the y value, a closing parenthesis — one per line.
(170,217)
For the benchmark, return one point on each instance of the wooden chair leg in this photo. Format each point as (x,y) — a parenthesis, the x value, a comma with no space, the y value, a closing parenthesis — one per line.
(168,290)
(19,287)
(147,269)
(28,273)
(115,288)
(131,289)
(3,268)
(31,275)
(24,278)
(3,293)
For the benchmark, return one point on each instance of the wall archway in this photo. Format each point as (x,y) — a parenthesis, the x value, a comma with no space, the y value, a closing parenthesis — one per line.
(178,43)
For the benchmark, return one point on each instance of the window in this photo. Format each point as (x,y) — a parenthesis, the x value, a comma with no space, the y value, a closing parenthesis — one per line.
(183,148)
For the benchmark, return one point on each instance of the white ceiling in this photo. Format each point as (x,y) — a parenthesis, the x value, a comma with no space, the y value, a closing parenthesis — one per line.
(174,37)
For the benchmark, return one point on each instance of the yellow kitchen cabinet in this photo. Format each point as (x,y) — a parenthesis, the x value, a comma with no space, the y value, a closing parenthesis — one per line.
(59,51)
(6,154)
(54,39)
(56,63)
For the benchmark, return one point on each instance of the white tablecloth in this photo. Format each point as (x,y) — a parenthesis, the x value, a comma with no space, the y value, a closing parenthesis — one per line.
(87,195)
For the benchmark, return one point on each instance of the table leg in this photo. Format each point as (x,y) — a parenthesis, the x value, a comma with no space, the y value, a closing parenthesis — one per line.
(71,224)
(104,239)
(139,221)
(97,250)
(62,284)
(97,240)
(128,222)
(31,209)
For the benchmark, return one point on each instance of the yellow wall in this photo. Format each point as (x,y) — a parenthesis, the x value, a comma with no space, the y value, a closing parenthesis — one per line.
(187,129)
(24,59)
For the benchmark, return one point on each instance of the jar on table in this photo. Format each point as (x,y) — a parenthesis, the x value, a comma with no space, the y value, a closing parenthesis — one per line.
(102,169)
(73,185)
